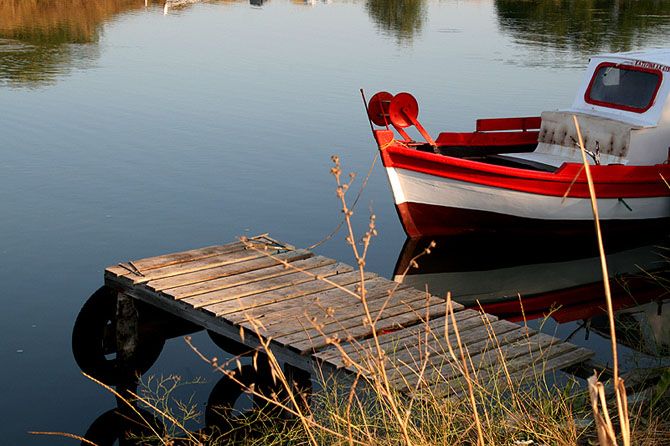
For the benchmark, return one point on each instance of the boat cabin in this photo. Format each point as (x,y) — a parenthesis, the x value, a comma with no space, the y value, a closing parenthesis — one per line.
(623,112)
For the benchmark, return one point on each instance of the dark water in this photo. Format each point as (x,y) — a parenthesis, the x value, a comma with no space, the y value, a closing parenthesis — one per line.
(127,133)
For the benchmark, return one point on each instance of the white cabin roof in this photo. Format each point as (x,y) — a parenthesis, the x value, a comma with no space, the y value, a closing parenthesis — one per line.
(659,56)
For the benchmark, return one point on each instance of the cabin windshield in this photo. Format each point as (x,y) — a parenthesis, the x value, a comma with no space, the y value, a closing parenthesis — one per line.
(623,87)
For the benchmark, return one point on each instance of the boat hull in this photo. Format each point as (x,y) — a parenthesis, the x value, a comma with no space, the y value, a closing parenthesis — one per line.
(440,195)
(420,220)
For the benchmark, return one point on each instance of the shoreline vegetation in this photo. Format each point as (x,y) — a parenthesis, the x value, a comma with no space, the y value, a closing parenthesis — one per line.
(489,408)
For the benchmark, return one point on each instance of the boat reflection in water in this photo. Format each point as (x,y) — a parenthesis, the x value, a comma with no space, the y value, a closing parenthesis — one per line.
(522,276)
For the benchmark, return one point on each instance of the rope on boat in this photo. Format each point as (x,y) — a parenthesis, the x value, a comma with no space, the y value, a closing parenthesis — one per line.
(392,142)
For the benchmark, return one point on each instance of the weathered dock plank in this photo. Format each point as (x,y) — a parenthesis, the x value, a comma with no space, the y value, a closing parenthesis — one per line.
(399,338)
(245,278)
(292,292)
(219,272)
(331,320)
(316,303)
(356,328)
(138,266)
(194,265)
(440,364)
(326,269)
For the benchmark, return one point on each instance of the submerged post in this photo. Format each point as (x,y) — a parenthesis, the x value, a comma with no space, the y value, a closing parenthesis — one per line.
(300,382)
(126,345)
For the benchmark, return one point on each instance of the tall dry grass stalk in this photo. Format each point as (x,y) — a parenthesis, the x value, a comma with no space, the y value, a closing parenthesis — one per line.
(606,433)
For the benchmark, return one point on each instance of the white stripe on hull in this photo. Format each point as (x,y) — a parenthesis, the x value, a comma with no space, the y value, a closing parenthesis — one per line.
(417,187)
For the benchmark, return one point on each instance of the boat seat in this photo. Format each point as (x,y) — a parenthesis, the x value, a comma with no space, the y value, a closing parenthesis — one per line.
(521,163)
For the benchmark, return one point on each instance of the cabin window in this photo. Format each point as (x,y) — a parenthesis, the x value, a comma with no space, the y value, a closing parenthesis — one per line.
(624,87)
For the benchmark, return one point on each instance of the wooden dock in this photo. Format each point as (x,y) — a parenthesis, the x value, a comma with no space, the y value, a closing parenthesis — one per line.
(244,292)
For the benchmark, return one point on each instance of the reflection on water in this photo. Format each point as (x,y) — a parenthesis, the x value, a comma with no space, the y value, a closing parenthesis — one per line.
(24,64)
(120,426)
(232,410)
(231,414)
(521,279)
(171,5)
(94,336)
(399,18)
(644,328)
(57,23)
(586,27)
(40,41)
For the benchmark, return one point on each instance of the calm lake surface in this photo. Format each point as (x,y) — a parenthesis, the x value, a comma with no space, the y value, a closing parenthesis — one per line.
(128,133)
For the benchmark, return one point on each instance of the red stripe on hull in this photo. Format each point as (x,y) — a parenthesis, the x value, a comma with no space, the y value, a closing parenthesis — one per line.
(427,220)
(611,181)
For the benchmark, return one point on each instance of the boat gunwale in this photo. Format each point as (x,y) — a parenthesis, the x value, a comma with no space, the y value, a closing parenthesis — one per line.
(569,176)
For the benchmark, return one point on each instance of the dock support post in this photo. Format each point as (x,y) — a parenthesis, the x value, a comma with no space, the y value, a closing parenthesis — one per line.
(126,346)
(300,382)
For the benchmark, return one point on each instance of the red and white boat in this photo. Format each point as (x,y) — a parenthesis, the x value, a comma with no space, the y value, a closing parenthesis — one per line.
(526,174)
